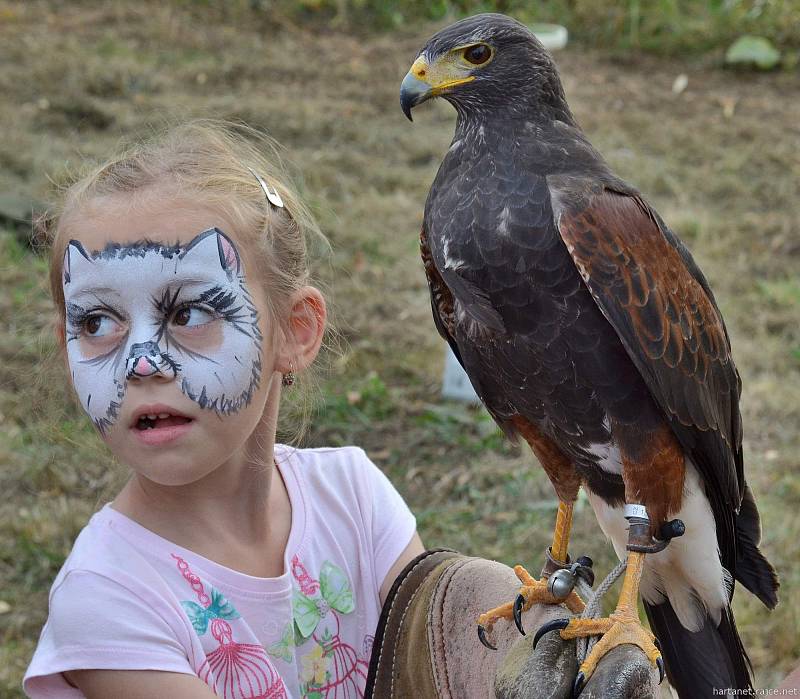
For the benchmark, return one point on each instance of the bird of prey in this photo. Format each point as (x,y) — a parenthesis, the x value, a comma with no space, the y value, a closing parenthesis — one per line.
(587,329)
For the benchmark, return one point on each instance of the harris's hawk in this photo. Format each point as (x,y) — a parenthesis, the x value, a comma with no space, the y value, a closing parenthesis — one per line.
(586,328)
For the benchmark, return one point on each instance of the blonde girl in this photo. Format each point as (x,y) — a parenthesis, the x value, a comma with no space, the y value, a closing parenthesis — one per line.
(228,565)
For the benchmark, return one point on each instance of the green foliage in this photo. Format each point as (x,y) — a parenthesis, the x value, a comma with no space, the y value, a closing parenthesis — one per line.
(781,292)
(346,411)
(471,428)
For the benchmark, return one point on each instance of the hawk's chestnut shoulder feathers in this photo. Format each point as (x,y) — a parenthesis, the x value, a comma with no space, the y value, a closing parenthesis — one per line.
(656,299)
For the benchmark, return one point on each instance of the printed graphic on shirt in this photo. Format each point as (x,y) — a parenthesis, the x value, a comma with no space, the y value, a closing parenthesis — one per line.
(283,648)
(219,608)
(233,670)
(330,668)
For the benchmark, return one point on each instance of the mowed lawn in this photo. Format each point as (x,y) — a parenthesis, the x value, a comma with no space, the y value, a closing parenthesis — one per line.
(719,161)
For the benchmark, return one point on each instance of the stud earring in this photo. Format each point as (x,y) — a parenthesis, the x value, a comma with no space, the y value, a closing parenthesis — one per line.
(288,378)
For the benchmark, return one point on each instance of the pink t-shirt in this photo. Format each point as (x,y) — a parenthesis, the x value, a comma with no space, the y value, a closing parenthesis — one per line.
(128,599)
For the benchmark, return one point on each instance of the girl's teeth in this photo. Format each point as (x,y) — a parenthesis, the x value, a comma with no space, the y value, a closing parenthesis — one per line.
(151,417)
(161,416)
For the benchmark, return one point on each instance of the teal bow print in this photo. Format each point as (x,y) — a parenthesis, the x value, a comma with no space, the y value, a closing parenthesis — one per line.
(335,592)
(219,608)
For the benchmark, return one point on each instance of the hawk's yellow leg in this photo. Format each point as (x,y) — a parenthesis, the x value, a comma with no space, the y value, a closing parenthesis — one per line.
(535,591)
(623,626)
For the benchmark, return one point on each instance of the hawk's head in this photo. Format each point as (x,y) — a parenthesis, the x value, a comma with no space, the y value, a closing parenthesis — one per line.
(481,64)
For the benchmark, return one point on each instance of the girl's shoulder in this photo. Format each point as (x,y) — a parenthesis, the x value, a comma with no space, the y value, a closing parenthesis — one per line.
(106,609)
(344,470)
(322,455)
(105,556)
(338,480)
(102,552)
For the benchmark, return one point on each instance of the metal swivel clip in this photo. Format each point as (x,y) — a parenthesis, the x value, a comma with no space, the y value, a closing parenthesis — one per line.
(563,581)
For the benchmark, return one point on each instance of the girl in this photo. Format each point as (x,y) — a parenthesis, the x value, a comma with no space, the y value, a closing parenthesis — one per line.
(228,565)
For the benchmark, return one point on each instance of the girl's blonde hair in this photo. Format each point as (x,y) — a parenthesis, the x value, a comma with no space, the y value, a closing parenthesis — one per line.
(210,160)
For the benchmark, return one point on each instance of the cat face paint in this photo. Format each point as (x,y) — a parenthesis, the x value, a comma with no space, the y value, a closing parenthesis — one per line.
(142,309)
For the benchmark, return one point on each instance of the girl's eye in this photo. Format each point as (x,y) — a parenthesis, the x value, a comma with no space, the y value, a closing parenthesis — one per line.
(192,317)
(478,54)
(100,325)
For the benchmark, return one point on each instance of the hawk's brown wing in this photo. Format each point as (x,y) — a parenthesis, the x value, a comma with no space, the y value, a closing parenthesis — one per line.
(650,290)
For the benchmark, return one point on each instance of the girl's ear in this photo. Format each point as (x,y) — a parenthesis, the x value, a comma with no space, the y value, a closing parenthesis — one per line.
(305,328)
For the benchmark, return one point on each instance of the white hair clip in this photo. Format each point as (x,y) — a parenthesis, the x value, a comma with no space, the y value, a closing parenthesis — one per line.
(272,194)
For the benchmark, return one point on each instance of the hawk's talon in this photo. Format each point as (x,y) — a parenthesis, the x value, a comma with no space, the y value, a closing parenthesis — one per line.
(555,624)
(622,627)
(660,666)
(519,603)
(482,637)
(577,686)
(532,592)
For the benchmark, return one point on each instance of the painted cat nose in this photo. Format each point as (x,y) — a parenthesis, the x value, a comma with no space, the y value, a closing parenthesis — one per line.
(144,367)
(145,359)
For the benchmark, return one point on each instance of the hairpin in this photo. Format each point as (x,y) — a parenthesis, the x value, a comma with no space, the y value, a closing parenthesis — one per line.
(272,194)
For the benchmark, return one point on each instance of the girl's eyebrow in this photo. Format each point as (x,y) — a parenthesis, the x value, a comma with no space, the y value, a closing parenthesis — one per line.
(177,281)
(184,282)
(95,290)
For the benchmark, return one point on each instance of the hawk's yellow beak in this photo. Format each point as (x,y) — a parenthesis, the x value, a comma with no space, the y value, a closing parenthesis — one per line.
(424,81)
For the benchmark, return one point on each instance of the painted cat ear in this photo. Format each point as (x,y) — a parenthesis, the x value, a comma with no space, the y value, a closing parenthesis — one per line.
(228,254)
(75,256)
(213,238)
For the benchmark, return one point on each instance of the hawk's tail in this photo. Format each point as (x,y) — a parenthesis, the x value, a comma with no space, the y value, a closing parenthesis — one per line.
(699,662)
(753,570)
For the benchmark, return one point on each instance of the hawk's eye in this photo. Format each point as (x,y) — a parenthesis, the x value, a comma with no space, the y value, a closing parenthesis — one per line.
(480,53)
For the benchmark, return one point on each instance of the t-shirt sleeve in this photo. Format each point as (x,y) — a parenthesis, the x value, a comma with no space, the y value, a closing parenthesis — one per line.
(95,623)
(393,524)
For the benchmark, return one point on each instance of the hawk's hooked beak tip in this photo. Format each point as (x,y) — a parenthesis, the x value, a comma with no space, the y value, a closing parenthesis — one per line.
(413,91)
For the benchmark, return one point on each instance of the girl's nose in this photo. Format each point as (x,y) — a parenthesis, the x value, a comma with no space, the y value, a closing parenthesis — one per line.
(144,368)
(146,359)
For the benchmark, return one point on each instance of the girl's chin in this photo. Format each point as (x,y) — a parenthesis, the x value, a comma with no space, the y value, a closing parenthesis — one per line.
(169,470)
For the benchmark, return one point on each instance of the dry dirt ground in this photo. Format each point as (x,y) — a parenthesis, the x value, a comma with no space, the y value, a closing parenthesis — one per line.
(719,161)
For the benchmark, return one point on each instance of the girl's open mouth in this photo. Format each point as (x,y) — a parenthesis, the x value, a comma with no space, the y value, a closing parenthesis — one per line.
(157,425)
(160,421)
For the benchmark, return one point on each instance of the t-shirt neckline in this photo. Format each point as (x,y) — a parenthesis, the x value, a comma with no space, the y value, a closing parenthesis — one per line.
(148,540)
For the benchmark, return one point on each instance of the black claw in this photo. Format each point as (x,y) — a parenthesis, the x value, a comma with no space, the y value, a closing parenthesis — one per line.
(657,644)
(482,638)
(661,673)
(577,686)
(585,561)
(550,626)
(519,602)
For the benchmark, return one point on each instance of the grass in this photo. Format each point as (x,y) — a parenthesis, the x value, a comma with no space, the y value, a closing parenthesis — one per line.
(718,161)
